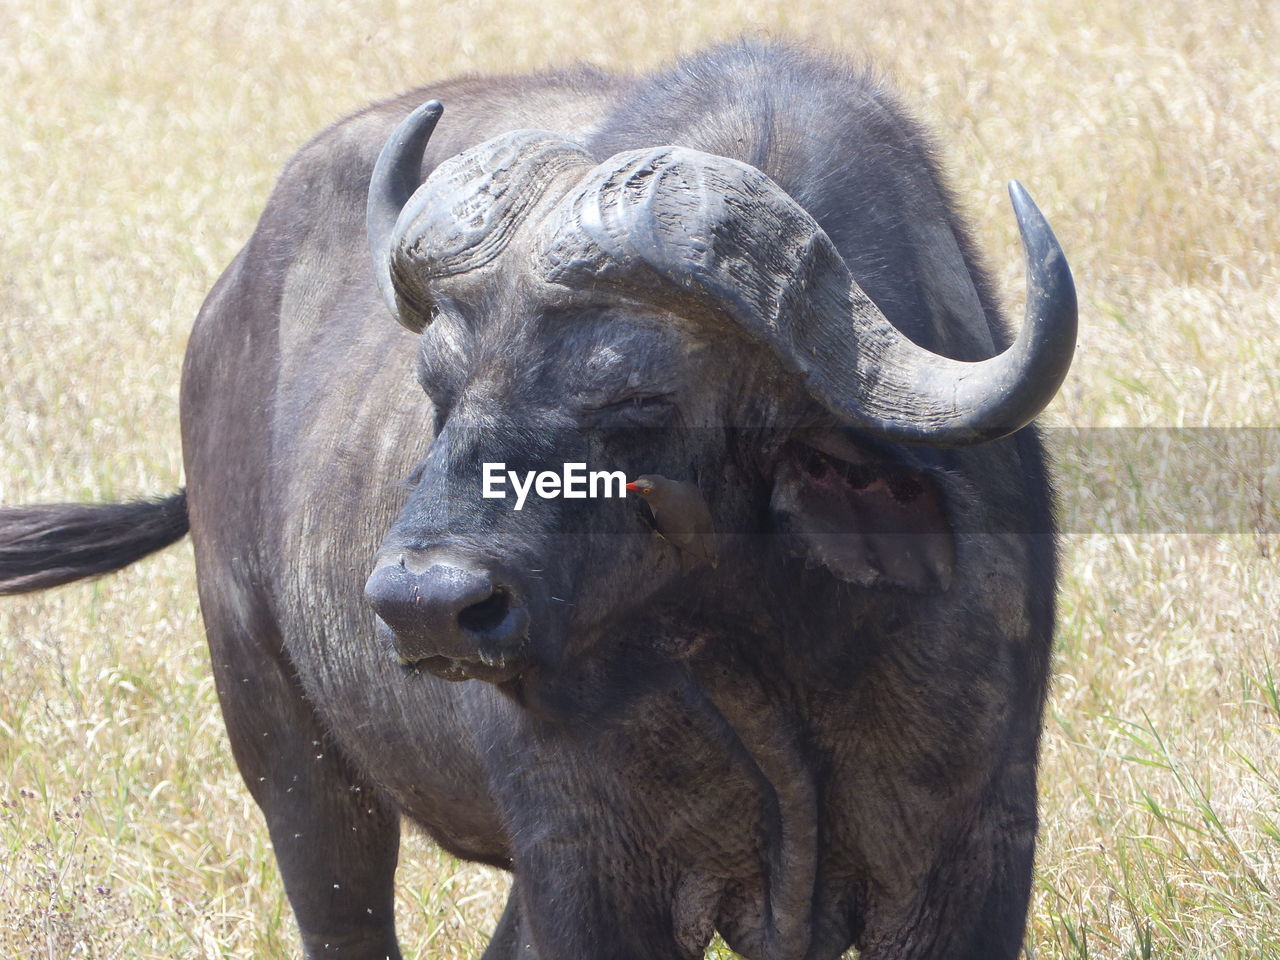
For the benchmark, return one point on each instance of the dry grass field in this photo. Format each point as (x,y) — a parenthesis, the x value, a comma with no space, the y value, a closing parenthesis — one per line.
(139,141)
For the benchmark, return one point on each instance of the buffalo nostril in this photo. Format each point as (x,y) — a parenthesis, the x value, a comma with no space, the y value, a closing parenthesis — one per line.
(451,589)
(488,614)
(448,611)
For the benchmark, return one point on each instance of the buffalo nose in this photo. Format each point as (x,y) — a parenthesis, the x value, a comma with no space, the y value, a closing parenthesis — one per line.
(448,611)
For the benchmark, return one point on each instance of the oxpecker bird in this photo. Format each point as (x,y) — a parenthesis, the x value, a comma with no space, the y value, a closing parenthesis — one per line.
(681,516)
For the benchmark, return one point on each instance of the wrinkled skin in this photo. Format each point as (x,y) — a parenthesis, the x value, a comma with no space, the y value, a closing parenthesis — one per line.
(815,745)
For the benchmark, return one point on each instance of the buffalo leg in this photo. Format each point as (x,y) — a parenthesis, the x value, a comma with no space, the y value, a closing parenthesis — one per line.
(336,840)
(511,939)
(1000,924)
(974,905)
(595,913)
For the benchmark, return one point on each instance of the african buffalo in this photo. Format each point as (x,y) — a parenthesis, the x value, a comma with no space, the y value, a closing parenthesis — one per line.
(745,274)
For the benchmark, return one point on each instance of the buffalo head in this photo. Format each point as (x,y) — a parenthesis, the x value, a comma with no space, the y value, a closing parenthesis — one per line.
(666,311)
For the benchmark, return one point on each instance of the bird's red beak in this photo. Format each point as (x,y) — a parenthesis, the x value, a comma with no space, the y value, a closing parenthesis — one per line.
(632,487)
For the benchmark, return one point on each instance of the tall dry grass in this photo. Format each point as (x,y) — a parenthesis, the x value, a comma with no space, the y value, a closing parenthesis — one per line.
(140,139)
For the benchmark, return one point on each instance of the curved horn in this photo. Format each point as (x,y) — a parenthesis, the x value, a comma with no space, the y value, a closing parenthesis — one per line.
(465,213)
(682,227)
(395,178)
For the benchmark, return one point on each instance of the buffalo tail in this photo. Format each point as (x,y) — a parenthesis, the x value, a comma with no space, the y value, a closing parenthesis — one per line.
(50,544)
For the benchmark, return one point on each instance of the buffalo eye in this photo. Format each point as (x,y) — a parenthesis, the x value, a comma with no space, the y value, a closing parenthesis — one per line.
(635,410)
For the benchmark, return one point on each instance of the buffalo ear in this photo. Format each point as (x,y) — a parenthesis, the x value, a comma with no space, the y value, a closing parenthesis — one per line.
(869,523)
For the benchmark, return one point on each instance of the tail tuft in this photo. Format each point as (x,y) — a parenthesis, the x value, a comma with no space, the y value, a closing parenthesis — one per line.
(50,544)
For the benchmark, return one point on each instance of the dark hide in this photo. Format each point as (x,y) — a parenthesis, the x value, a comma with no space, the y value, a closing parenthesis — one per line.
(827,740)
